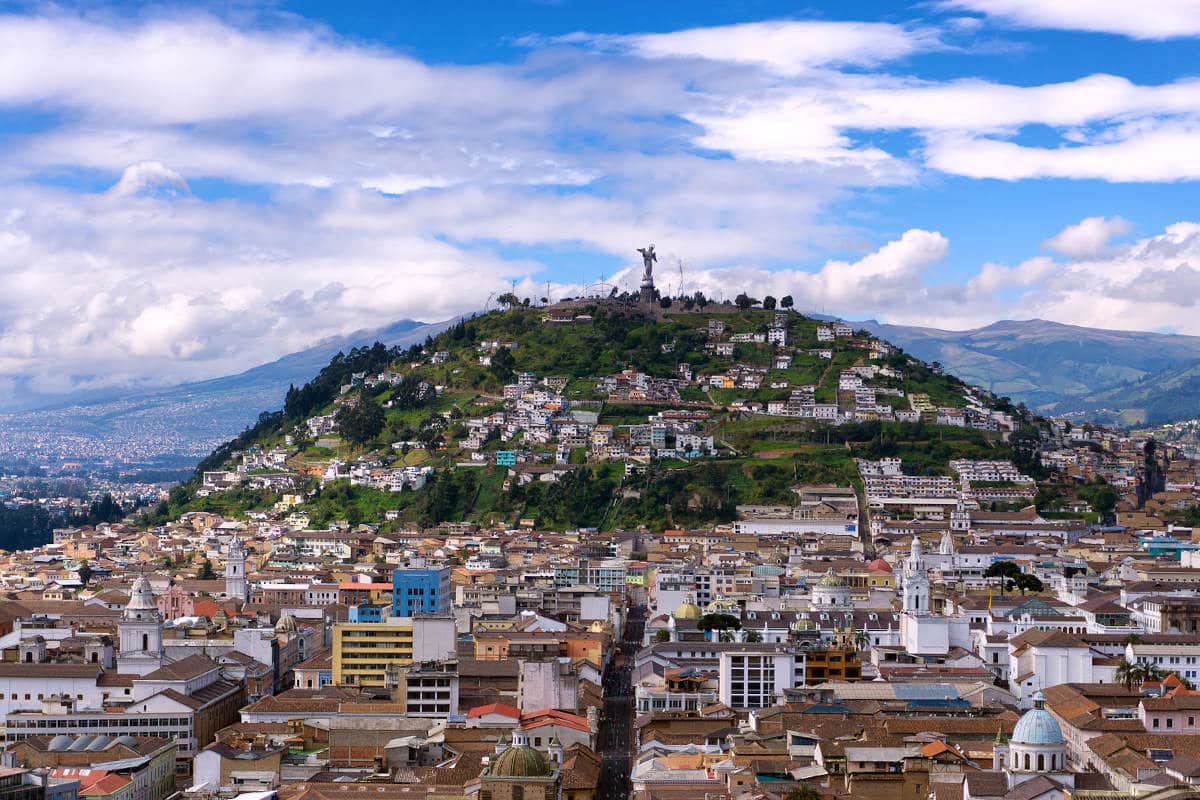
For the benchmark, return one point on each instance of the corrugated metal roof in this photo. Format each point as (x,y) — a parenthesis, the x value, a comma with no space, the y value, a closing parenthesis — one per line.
(924,691)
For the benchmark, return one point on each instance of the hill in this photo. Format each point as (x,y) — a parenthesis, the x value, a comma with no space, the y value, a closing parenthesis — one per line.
(1118,375)
(181,424)
(1166,396)
(597,415)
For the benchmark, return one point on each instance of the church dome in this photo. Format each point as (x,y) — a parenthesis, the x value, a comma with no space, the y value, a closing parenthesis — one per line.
(831,581)
(520,761)
(688,610)
(879,565)
(286,624)
(1037,726)
(721,606)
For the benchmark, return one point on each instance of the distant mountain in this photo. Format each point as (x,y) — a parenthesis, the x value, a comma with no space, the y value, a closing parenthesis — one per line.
(186,421)
(1169,395)
(1120,376)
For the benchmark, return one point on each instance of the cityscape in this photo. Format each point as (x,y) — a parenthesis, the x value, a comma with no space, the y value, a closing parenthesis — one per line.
(356,441)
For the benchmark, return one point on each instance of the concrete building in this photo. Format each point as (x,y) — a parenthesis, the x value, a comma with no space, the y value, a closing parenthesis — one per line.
(364,651)
(755,675)
(420,591)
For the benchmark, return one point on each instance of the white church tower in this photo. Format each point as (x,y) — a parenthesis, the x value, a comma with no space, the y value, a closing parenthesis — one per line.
(236,587)
(140,632)
(915,581)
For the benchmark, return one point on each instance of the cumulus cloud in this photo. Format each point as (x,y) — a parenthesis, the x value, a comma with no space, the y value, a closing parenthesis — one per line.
(1088,237)
(150,177)
(1150,19)
(263,188)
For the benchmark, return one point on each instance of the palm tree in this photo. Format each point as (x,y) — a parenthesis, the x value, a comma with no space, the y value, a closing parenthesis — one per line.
(1127,673)
(1150,673)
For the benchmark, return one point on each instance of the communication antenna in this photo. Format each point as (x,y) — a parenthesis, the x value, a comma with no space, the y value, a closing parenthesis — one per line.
(679,289)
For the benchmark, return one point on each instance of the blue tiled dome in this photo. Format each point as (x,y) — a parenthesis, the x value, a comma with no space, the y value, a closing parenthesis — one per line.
(1037,725)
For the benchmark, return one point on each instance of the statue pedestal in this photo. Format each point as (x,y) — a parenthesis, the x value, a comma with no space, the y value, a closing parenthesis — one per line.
(647,295)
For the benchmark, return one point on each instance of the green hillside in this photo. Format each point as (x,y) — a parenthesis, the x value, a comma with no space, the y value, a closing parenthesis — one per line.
(437,393)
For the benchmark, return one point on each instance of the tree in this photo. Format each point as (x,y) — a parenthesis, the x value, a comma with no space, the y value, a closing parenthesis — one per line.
(769,303)
(1150,673)
(802,791)
(85,572)
(664,302)
(503,365)
(662,636)
(753,636)
(206,571)
(1007,571)
(744,301)
(430,438)
(508,299)
(718,622)
(1026,582)
(787,301)
(1127,672)
(362,421)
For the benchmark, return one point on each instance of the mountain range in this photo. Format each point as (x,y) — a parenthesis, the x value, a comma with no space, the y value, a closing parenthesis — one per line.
(1118,377)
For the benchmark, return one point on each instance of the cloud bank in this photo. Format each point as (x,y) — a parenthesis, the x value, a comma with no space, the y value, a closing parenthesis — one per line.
(187,197)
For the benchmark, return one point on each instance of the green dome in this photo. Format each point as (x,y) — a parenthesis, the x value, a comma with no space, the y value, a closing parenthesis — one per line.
(520,761)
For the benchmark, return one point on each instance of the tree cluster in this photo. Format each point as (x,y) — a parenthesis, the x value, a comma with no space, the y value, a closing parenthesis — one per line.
(362,421)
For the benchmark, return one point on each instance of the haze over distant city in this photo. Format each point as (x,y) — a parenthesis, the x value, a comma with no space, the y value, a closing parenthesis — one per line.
(186,192)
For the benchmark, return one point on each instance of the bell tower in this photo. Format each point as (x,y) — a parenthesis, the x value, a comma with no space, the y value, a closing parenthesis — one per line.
(915,581)
(236,587)
(140,631)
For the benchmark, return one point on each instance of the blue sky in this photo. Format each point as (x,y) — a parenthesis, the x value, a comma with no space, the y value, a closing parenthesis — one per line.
(186,191)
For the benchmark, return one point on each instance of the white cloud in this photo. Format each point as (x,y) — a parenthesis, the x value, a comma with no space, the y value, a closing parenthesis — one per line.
(1111,128)
(1149,19)
(379,187)
(150,177)
(1088,237)
(1160,152)
(892,276)
(786,47)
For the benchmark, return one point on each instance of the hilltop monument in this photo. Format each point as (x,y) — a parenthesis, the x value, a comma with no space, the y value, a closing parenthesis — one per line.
(647,287)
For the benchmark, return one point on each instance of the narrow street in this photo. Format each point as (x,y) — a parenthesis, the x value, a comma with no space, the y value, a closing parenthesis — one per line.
(616,729)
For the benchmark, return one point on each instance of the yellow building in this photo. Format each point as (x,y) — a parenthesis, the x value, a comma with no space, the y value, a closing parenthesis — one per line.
(363,651)
(833,664)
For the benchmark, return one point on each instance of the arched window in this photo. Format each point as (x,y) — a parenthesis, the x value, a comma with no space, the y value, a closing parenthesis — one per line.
(95,657)
(1041,763)
(518,793)
(28,656)
(1027,761)
(145,641)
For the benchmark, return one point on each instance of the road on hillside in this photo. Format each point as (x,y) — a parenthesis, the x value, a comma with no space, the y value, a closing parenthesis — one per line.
(616,729)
